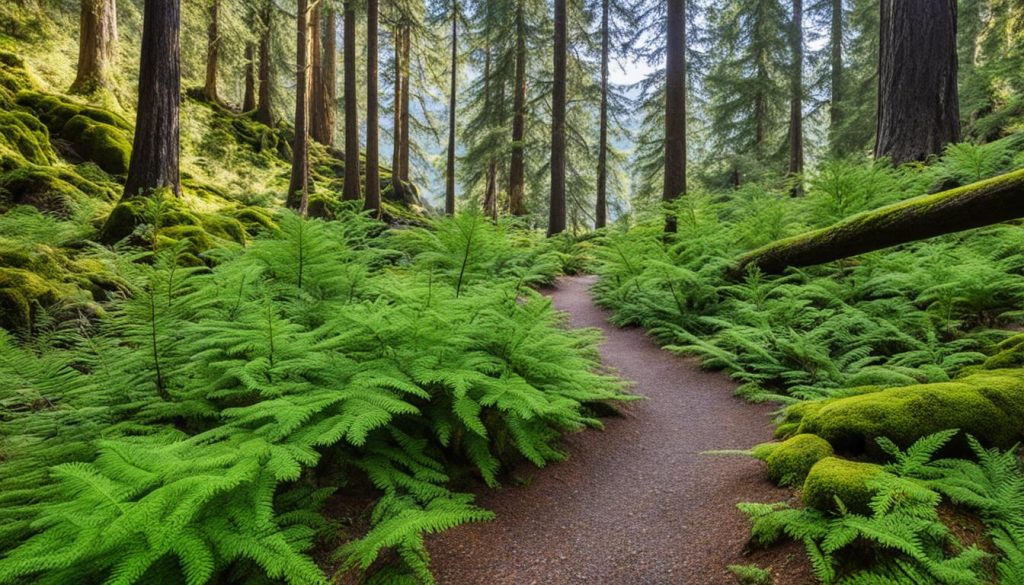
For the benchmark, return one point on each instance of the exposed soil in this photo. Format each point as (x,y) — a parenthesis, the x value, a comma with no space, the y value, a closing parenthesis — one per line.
(637,503)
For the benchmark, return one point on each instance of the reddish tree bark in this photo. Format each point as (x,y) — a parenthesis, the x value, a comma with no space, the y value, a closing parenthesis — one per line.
(372,201)
(352,181)
(675,108)
(213,43)
(97,45)
(298,187)
(517,169)
(556,219)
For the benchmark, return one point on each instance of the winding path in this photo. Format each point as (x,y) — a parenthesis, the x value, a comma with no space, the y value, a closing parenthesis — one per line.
(636,504)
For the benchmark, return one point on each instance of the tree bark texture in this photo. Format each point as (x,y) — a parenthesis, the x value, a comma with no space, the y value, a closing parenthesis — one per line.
(675,108)
(517,168)
(249,98)
(985,203)
(449,191)
(406,67)
(918,103)
(97,45)
(372,200)
(298,187)
(836,76)
(212,52)
(556,219)
(264,106)
(397,189)
(796,98)
(601,213)
(352,180)
(326,81)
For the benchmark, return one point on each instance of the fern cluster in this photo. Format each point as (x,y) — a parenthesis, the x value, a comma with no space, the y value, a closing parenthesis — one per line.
(192,434)
(904,540)
(915,314)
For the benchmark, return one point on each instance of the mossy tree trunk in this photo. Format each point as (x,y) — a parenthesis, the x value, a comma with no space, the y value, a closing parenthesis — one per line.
(556,219)
(352,187)
(601,213)
(981,204)
(675,107)
(213,42)
(449,191)
(97,45)
(264,106)
(517,168)
(918,102)
(372,200)
(796,98)
(298,187)
(154,160)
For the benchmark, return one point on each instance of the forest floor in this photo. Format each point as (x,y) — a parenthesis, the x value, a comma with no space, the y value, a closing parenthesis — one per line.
(637,503)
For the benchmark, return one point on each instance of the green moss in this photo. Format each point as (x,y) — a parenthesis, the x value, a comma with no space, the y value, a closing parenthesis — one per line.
(788,462)
(22,290)
(198,240)
(15,310)
(988,405)
(1008,354)
(106,145)
(25,136)
(254,218)
(833,478)
(13,79)
(44,188)
(224,227)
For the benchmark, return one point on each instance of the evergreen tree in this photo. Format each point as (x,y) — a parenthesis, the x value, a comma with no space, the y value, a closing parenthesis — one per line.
(352,186)
(298,187)
(97,45)
(556,221)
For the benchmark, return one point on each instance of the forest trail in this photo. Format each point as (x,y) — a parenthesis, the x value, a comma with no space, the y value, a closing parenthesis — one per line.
(636,504)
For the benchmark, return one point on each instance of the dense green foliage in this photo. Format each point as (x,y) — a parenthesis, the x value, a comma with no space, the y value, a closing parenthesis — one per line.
(192,434)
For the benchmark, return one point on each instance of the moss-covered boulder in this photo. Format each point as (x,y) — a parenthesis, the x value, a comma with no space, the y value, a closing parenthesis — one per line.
(788,462)
(833,478)
(21,292)
(49,188)
(106,145)
(13,79)
(24,136)
(988,405)
(1007,354)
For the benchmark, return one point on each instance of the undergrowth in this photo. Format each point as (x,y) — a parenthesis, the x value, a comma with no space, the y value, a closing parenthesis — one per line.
(192,433)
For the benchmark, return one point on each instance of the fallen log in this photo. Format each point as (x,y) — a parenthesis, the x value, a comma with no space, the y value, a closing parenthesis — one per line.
(977,205)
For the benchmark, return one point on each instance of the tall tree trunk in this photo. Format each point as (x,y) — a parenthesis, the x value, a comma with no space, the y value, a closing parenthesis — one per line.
(556,221)
(675,108)
(317,99)
(836,77)
(985,203)
(97,45)
(449,191)
(601,213)
(249,98)
(491,183)
(154,161)
(796,98)
(298,188)
(325,81)
(918,103)
(264,106)
(406,67)
(372,201)
(352,186)
(398,190)
(517,169)
(212,52)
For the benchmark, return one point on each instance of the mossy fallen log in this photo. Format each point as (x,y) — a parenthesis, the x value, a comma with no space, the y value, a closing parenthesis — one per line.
(977,205)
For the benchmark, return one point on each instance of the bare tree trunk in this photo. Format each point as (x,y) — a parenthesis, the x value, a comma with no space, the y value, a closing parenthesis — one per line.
(249,99)
(601,213)
(675,108)
(398,190)
(981,204)
(406,66)
(212,52)
(154,161)
(352,186)
(556,220)
(836,76)
(325,80)
(298,188)
(449,192)
(517,169)
(264,107)
(491,184)
(317,99)
(97,45)
(372,201)
(796,99)
(918,102)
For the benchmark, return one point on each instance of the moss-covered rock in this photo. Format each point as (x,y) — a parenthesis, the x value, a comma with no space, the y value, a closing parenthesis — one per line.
(833,478)
(788,462)
(106,145)
(13,79)
(988,405)
(224,227)
(1007,354)
(24,136)
(20,292)
(254,219)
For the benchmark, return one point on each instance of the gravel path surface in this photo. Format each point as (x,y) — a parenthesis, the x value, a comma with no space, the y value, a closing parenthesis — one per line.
(634,504)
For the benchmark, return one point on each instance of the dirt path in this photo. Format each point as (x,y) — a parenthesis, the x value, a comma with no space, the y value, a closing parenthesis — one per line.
(637,503)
